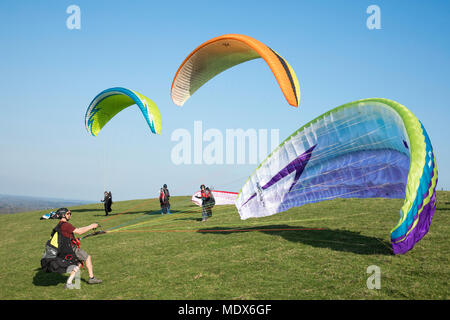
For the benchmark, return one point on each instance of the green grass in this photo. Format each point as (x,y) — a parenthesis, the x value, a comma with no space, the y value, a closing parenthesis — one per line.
(178,257)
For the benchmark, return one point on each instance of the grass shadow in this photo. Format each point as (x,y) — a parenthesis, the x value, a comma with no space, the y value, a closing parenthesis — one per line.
(189,218)
(47,279)
(149,213)
(156,212)
(111,214)
(337,240)
(86,210)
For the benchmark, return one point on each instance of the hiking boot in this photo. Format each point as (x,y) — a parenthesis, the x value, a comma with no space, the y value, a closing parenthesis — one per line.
(94,280)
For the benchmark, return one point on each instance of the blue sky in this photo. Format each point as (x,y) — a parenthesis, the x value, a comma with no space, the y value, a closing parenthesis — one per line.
(50,74)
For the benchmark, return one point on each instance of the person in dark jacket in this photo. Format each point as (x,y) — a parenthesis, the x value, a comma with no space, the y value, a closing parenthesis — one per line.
(207,202)
(164,201)
(107,201)
(167,199)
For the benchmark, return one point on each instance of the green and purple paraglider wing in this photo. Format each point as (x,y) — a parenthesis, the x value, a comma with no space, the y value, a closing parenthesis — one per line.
(372,148)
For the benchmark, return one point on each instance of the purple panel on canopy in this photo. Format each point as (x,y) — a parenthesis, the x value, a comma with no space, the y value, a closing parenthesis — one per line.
(297,166)
(363,174)
(422,227)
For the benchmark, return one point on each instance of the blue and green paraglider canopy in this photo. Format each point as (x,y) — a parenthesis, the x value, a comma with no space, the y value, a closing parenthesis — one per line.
(111,101)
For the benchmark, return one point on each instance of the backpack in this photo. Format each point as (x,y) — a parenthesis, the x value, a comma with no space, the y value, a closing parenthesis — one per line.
(59,253)
(166,194)
(211,201)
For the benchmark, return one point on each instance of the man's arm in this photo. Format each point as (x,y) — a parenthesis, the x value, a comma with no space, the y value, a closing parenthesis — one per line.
(85,229)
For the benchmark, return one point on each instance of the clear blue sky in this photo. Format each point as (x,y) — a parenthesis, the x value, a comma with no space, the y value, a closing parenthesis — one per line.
(50,74)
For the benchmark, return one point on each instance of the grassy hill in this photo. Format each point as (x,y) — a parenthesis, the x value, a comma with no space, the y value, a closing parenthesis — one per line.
(318,251)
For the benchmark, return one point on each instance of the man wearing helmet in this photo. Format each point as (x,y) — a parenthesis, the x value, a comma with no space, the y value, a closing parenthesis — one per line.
(67,231)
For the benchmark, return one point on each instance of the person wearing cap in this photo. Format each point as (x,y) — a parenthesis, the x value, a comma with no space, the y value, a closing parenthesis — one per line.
(68,231)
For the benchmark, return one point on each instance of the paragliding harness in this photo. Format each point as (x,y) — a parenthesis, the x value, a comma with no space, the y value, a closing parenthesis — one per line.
(59,252)
(164,196)
(211,202)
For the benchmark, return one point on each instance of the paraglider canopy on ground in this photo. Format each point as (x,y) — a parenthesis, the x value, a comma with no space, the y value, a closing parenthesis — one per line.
(372,148)
(221,197)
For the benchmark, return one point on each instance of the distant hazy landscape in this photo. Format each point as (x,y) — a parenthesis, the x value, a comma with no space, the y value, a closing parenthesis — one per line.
(13,203)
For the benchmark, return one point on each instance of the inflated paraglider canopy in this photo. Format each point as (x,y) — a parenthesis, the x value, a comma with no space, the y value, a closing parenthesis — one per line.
(372,148)
(111,101)
(221,197)
(221,53)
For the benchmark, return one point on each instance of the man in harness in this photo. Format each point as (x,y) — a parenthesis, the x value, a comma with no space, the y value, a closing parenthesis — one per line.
(208,202)
(71,244)
(164,197)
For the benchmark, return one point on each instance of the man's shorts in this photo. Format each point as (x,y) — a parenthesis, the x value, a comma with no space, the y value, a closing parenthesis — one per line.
(81,254)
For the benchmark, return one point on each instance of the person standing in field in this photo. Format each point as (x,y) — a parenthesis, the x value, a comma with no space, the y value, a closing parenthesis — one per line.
(207,199)
(167,197)
(163,201)
(107,201)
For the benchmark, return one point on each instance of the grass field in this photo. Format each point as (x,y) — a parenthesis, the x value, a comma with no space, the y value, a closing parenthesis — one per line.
(318,251)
